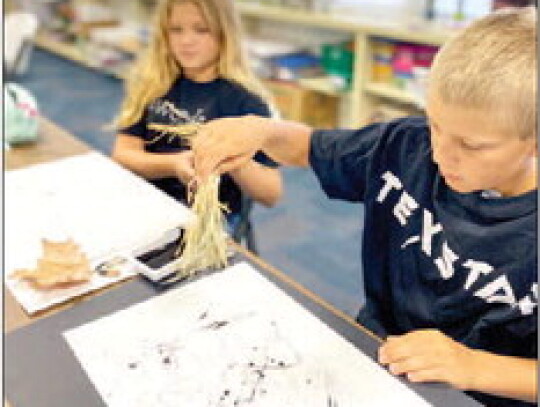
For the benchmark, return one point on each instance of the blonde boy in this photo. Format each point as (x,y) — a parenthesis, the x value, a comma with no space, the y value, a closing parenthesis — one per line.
(450,246)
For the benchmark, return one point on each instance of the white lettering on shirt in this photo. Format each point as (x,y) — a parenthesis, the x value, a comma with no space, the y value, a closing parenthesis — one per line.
(410,240)
(428,230)
(404,208)
(391,182)
(501,286)
(445,264)
(168,110)
(477,268)
(527,304)
(498,290)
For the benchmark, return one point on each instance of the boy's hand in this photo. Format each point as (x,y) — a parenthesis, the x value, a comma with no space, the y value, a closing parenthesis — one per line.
(183,166)
(429,356)
(225,144)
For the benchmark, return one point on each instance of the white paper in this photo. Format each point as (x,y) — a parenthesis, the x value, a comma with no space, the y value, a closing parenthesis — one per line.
(103,207)
(229,339)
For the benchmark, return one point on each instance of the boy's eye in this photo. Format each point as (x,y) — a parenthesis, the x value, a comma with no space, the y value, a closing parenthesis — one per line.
(468,146)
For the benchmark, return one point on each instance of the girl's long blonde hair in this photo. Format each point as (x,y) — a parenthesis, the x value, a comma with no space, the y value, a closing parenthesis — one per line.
(157,69)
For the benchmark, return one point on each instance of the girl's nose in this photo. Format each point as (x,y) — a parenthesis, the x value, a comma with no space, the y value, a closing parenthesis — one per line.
(186,38)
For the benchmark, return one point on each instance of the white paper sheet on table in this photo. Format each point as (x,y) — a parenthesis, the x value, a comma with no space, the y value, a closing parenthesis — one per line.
(229,339)
(103,207)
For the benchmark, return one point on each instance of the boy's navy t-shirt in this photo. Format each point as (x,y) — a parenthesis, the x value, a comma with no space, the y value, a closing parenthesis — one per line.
(189,104)
(432,257)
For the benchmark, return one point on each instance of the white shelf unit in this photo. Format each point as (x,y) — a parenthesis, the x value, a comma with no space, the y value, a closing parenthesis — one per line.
(358,103)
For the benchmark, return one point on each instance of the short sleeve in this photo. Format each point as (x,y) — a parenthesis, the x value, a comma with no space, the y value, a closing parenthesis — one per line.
(341,160)
(253,104)
(137,129)
(349,163)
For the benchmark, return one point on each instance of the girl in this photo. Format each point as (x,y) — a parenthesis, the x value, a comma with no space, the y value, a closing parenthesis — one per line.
(193,71)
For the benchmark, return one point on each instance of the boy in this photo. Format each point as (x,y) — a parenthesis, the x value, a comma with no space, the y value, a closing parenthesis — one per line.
(450,259)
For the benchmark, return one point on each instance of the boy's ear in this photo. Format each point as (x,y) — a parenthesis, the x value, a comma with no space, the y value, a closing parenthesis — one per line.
(534,147)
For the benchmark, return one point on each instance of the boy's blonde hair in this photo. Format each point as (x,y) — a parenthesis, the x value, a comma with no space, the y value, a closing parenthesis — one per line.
(491,66)
(157,69)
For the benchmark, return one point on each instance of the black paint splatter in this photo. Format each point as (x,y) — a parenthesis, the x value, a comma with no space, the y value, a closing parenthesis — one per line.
(217,325)
(225,394)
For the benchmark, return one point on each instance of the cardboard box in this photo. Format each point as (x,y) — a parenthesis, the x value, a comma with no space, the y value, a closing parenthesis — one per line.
(304,105)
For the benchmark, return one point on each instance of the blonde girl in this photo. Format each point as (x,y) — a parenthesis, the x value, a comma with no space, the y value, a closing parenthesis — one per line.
(193,71)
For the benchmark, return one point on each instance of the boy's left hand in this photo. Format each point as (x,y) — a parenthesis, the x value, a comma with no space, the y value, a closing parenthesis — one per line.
(429,356)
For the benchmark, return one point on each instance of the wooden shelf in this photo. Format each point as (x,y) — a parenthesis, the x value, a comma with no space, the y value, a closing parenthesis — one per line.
(62,49)
(408,31)
(362,97)
(391,92)
(292,15)
(71,52)
(322,85)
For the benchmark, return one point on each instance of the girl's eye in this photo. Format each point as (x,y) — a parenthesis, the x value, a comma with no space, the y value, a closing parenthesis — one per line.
(198,30)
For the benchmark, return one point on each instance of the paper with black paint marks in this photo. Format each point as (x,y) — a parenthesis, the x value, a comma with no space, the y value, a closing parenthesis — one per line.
(229,339)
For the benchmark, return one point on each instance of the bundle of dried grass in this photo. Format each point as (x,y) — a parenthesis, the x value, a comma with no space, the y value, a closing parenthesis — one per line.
(187,131)
(204,244)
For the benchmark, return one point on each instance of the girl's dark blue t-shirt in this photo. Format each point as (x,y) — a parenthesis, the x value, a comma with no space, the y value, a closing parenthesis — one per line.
(189,104)
(464,264)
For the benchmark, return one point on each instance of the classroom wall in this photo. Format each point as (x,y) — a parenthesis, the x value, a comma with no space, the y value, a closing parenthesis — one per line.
(379,11)
(408,9)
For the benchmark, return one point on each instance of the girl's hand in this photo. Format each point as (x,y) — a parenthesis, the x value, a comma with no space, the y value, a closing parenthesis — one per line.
(429,356)
(183,167)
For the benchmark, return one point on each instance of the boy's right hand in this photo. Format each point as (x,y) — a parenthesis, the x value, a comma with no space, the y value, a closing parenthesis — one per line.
(225,144)
(183,166)
(428,355)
